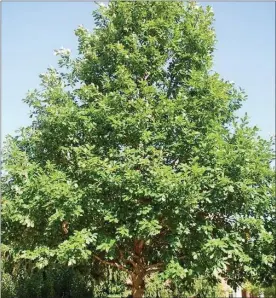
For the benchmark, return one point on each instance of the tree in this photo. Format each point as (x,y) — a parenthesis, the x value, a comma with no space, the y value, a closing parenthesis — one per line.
(136,158)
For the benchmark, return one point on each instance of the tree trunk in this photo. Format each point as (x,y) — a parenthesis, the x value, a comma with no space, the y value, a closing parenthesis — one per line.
(139,272)
(138,283)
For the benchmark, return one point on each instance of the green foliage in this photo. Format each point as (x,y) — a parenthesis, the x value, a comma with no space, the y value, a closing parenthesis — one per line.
(136,157)
(61,282)
(7,286)
(271,291)
(157,287)
(68,282)
(258,289)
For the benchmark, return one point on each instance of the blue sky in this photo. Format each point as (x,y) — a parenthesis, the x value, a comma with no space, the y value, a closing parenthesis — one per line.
(32,30)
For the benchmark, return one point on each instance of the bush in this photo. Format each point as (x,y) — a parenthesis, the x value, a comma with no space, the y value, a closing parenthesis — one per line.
(7,286)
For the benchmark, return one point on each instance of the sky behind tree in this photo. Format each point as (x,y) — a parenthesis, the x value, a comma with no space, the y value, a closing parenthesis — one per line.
(245,52)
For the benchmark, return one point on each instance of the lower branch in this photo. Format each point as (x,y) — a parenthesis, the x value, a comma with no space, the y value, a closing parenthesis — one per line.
(110,263)
(154,268)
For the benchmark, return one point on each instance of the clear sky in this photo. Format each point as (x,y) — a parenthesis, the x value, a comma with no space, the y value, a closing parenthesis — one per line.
(32,30)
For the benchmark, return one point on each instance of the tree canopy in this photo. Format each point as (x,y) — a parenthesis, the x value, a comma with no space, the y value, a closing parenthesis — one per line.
(136,159)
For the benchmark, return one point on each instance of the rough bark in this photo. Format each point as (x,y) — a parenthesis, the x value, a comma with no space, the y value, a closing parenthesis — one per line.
(139,271)
(138,282)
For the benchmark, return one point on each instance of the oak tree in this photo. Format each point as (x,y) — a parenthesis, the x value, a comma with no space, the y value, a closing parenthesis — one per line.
(136,159)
